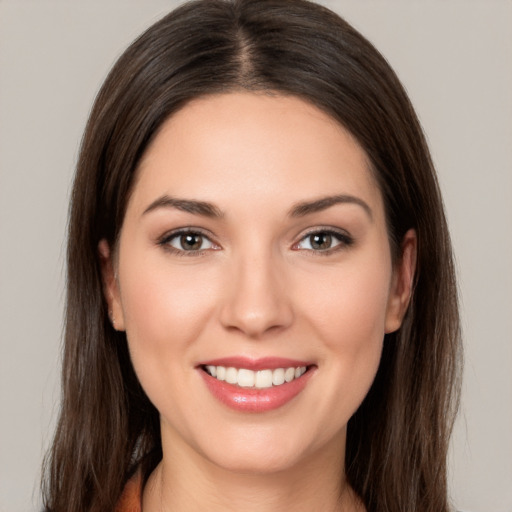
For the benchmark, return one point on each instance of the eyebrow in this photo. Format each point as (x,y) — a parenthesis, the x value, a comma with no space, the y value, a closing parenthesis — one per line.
(298,210)
(318,205)
(186,205)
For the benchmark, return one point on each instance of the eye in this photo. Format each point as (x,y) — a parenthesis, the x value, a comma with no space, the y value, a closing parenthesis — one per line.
(187,241)
(324,241)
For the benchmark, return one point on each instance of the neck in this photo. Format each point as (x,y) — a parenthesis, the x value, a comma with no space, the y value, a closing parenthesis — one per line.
(187,482)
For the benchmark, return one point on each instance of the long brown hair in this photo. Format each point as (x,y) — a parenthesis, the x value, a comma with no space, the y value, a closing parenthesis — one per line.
(397,440)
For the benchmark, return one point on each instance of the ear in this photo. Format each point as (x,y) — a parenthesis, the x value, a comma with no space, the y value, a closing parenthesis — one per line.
(402,282)
(111,285)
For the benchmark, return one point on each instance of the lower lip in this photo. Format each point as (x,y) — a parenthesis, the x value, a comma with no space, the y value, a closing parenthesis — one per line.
(255,400)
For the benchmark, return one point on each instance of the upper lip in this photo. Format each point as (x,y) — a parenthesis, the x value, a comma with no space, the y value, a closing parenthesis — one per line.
(263,363)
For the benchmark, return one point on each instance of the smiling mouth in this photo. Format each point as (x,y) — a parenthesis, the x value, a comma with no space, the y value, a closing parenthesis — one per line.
(255,379)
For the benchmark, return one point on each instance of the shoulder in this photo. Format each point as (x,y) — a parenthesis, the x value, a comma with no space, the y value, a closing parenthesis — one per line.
(130,500)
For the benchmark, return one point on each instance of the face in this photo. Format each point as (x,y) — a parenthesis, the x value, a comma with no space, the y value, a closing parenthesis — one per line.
(254,280)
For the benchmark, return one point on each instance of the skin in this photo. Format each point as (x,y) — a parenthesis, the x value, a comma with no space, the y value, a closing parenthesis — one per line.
(258,289)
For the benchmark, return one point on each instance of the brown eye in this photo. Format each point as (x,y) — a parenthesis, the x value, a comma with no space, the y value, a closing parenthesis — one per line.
(191,242)
(320,241)
(324,241)
(188,241)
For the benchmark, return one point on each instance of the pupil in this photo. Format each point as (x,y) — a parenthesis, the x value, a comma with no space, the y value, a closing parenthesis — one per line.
(191,242)
(321,241)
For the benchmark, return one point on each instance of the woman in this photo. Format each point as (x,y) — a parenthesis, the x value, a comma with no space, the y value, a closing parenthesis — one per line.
(261,299)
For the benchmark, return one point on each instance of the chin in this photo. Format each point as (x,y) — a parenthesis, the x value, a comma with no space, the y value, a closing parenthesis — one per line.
(260,451)
(250,463)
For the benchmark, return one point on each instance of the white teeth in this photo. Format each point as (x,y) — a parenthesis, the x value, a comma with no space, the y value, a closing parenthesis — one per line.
(232,376)
(255,379)
(264,379)
(245,378)
(278,377)
(221,373)
(289,374)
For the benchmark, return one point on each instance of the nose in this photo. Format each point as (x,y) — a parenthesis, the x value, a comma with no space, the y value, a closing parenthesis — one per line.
(257,299)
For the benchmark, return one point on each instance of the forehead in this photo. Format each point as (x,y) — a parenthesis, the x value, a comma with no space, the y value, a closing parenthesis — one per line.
(256,146)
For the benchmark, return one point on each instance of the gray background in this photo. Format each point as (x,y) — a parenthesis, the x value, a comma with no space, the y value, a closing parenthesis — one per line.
(455,59)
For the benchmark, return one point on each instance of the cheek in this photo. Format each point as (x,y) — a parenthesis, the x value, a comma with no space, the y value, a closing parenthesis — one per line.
(350,307)
(348,313)
(164,310)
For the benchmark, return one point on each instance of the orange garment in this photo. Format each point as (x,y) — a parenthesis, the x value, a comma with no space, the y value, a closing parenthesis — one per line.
(131,498)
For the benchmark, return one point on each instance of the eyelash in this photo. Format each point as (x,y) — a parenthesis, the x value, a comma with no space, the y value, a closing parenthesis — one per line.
(344,239)
(165,241)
